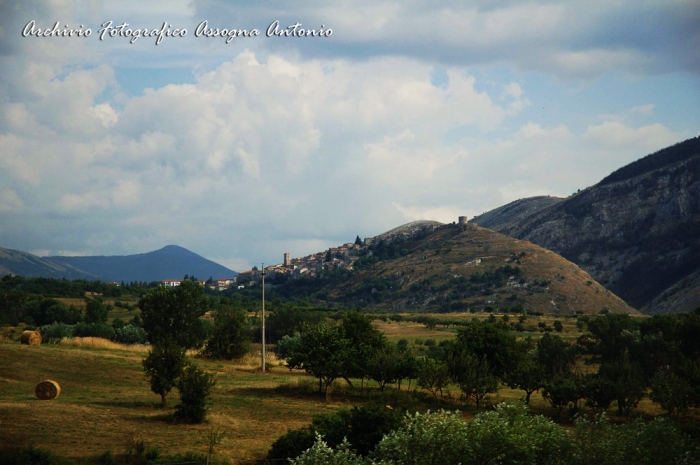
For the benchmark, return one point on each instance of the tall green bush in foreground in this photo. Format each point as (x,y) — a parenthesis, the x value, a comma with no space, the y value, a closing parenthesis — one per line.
(508,435)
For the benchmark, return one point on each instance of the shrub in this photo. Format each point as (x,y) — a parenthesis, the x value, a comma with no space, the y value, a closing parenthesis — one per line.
(53,333)
(131,334)
(94,330)
(363,427)
(230,336)
(286,346)
(195,386)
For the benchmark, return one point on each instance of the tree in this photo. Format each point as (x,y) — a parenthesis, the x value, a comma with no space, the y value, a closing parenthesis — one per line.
(321,351)
(599,392)
(195,386)
(95,311)
(163,366)
(174,313)
(358,241)
(408,368)
(610,337)
(433,376)
(329,256)
(384,366)
(231,336)
(563,390)
(364,340)
(671,392)
(473,375)
(527,375)
(491,342)
(555,356)
(627,383)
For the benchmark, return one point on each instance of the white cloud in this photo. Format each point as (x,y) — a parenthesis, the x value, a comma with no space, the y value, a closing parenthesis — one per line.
(615,135)
(10,201)
(296,146)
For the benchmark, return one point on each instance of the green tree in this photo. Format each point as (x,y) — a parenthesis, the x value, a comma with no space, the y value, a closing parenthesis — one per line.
(174,313)
(434,376)
(563,390)
(384,366)
(358,241)
(163,367)
(555,356)
(527,375)
(491,342)
(231,335)
(473,375)
(321,351)
(195,386)
(627,382)
(363,341)
(599,392)
(95,311)
(672,392)
(610,338)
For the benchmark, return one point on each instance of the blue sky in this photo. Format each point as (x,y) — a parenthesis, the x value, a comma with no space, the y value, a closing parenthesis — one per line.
(409,110)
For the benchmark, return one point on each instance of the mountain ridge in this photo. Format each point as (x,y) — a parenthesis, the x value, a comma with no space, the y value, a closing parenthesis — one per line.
(169,262)
(637,231)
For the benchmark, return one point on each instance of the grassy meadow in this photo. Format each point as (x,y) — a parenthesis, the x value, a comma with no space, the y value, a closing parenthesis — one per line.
(106,403)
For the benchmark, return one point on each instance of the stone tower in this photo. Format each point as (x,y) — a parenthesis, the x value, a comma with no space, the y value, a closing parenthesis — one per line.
(287,260)
(462,220)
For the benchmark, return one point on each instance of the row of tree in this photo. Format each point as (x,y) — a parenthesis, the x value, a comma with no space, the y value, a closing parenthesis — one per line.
(629,359)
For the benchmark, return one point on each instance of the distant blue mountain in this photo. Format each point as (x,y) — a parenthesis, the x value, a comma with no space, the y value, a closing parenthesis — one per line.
(170,262)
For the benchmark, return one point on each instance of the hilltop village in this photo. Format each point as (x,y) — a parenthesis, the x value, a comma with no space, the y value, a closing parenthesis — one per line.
(342,257)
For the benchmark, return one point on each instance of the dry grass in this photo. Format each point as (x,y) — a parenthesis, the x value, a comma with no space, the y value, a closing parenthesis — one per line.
(105,397)
(105,394)
(100,343)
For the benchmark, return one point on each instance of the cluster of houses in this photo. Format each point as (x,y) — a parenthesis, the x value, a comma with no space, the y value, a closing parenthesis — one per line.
(335,258)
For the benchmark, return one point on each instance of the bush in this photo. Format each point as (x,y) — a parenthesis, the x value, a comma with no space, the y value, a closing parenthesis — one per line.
(286,346)
(363,427)
(230,337)
(47,311)
(131,334)
(94,330)
(28,456)
(194,385)
(53,333)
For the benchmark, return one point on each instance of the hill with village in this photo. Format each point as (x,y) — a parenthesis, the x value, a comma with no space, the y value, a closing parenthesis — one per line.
(455,267)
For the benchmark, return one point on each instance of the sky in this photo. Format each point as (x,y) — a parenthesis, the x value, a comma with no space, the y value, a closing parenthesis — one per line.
(243,148)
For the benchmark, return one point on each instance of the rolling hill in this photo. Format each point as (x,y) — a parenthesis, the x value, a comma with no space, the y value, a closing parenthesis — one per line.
(455,268)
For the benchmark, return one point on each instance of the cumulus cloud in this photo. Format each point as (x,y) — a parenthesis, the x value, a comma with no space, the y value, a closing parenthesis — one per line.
(298,146)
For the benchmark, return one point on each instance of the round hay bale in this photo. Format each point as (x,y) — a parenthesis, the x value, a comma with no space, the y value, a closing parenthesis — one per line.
(31,337)
(47,390)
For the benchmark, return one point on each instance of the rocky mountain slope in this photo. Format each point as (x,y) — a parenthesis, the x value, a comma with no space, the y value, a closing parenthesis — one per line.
(455,268)
(637,231)
(25,264)
(514,212)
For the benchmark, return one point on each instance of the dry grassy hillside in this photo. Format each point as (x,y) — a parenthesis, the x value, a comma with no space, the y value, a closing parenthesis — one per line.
(460,267)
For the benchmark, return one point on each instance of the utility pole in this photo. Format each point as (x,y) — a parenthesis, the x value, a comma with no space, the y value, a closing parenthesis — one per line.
(263,317)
